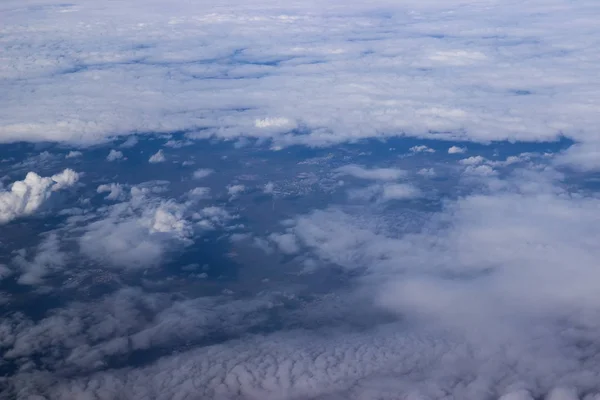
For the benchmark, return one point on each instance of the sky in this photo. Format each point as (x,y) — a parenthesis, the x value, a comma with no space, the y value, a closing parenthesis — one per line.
(299,200)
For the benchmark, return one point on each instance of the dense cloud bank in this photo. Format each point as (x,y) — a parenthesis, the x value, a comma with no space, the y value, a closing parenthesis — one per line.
(309,73)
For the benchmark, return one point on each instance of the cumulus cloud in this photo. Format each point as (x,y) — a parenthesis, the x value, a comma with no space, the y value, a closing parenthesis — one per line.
(48,257)
(114,155)
(74,154)
(157,157)
(581,156)
(130,142)
(115,191)
(427,172)
(29,195)
(235,190)
(456,150)
(269,188)
(422,149)
(212,217)
(202,173)
(286,243)
(136,233)
(378,174)
(475,160)
(5,272)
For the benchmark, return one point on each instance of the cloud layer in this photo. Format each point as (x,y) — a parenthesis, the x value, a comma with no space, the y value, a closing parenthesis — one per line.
(275,71)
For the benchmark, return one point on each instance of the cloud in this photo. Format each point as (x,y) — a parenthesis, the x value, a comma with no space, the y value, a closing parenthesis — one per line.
(441,80)
(385,192)
(427,172)
(275,123)
(269,188)
(421,149)
(130,142)
(380,174)
(581,157)
(5,272)
(475,160)
(286,243)
(29,195)
(235,190)
(490,295)
(114,155)
(212,217)
(115,191)
(158,157)
(84,336)
(479,291)
(456,150)
(481,170)
(199,193)
(202,173)
(74,154)
(47,258)
(136,233)
(399,191)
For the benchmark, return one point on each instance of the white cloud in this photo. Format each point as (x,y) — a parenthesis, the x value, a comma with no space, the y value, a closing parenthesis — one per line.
(269,188)
(5,272)
(202,173)
(384,192)
(114,155)
(422,149)
(512,249)
(581,156)
(157,157)
(481,170)
(235,190)
(399,191)
(88,334)
(212,217)
(74,154)
(136,233)
(381,174)
(286,243)
(65,179)
(200,193)
(485,289)
(48,257)
(427,172)
(274,123)
(115,191)
(29,195)
(495,292)
(456,150)
(475,160)
(130,142)
(441,80)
